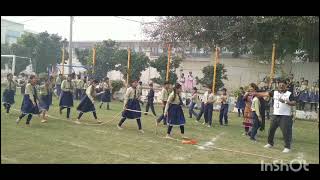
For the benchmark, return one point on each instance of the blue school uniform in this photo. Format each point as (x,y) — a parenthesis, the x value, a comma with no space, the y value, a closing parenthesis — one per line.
(314,95)
(45,98)
(175,113)
(66,99)
(86,104)
(132,102)
(9,93)
(240,102)
(27,107)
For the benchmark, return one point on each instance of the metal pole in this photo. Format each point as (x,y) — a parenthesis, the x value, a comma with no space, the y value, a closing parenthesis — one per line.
(168,64)
(13,65)
(70,46)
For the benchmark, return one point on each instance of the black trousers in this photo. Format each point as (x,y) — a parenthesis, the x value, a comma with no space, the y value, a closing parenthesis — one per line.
(150,104)
(28,118)
(68,111)
(124,118)
(162,117)
(285,124)
(201,111)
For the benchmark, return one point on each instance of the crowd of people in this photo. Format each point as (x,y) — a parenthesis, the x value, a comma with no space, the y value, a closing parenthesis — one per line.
(253,103)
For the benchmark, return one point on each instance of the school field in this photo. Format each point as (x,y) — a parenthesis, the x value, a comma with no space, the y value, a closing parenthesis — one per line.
(62,141)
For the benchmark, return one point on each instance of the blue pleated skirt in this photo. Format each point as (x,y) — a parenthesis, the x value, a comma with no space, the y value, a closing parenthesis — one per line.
(240,104)
(304,96)
(27,106)
(66,99)
(86,105)
(314,97)
(8,96)
(132,104)
(106,96)
(58,87)
(44,103)
(175,115)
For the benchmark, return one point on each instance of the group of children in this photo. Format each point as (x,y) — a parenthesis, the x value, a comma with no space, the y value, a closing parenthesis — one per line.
(37,95)
(305,94)
(251,103)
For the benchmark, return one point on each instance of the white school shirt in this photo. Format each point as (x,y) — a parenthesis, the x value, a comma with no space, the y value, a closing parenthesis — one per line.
(280,108)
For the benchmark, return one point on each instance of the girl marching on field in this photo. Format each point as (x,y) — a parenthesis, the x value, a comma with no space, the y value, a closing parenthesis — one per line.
(85,86)
(174,111)
(240,104)
(224,108)
(106,96)
(87,102)
(66,99)
(314,96)
(164,98)
(58,84)
(194,101)
(150,97)
(45,98)
(208,107)
(30,101)
(9,93)
(131,108)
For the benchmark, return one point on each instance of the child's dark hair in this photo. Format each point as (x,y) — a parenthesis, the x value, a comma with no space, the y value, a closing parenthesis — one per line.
(166,82)
(224,89)
(32,76)
(9,74)
(95,81)
(177,86)
(254,86)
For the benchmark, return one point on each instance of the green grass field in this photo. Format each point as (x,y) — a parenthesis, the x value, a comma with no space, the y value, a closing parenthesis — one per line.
(60,141)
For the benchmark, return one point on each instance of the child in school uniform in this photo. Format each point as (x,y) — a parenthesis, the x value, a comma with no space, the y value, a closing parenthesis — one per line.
(240,104)
(139,88)
(314,96)
(131,107)
(204,97)
(30,101)
(79,86)
(256,117)
(58,84)
(150,97)
(44,100)
(208,107)
(194,101)
(51,84)
(85,86)
(224,107)
(304,94)
(87,102)
(174,112)
(106,95)
(9,93)
(164,99)
(66,99)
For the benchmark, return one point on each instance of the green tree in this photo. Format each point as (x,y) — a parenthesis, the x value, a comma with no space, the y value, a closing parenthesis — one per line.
(83,55)
(242,33)
(139,63)
(161,65)
(105,61)
(208,76)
